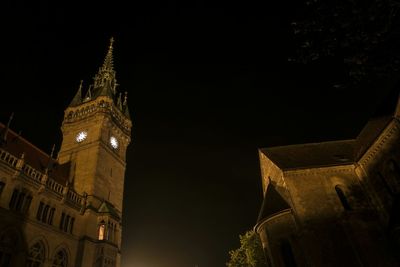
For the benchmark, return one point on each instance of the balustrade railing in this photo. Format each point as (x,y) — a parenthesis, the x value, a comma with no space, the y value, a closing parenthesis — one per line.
(37,177)
(54,186)
(8,158)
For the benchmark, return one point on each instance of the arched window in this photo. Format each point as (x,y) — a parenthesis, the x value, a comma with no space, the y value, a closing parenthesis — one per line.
(287,254)
(60,259)
(102,230)
(342,198)
(36,255)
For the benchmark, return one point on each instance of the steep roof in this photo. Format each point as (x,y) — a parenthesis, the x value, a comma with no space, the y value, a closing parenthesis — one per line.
(15,144)
(273,203)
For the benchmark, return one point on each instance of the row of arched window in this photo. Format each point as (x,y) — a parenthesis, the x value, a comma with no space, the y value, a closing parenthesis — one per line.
(37,256)
(10,244)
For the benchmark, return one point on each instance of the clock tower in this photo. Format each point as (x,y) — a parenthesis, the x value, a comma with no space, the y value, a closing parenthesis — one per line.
(96,132)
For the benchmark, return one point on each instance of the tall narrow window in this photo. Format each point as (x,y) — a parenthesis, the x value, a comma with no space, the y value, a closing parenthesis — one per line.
(342,198)
(27,204)
(13,199)
(20,200)
(287,254)
(62,221)
(45,212)
(66,223)
(51,215)
(40,211)
(2,185)
(71,225)
(102,230)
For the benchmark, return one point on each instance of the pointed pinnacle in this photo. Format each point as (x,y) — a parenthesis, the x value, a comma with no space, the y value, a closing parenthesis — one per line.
(125,98)
(108,61)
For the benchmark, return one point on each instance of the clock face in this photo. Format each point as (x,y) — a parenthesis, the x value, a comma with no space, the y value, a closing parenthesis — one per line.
(114,142)
(81,136)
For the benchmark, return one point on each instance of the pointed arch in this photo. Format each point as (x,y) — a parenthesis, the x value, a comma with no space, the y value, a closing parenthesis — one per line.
(36,254)
(61,256)
(40,239)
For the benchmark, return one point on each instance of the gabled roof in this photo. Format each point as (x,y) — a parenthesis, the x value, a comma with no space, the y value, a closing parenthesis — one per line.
(15,144)
(107,207)
(328,153)
(273,203)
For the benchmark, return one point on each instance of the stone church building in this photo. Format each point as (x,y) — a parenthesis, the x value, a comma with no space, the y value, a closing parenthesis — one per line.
(334,203)
(65,210)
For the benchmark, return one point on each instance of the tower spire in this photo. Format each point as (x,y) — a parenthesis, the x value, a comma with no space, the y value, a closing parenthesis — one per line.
(125,106)
(108,61)
(104,81)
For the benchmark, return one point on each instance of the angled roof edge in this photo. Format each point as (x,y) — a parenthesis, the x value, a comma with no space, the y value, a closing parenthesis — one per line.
(353,149)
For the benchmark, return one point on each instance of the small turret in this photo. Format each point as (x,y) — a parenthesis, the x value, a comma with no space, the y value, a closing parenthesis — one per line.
(77,100)
(125,108)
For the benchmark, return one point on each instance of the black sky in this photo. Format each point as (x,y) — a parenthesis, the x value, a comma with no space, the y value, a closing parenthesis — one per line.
(208,83)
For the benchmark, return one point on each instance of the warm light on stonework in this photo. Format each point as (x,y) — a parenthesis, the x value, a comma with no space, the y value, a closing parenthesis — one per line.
(114,142)
(102,230)
(81,136)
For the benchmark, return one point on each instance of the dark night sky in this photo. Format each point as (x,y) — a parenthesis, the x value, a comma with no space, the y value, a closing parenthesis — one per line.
(208,83)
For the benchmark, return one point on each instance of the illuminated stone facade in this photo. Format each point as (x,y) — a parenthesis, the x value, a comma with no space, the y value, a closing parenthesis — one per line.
(66,212)
(334,203)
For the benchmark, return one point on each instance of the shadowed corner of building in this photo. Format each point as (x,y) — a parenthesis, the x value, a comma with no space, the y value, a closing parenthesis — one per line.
(14,247)
(334,203)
